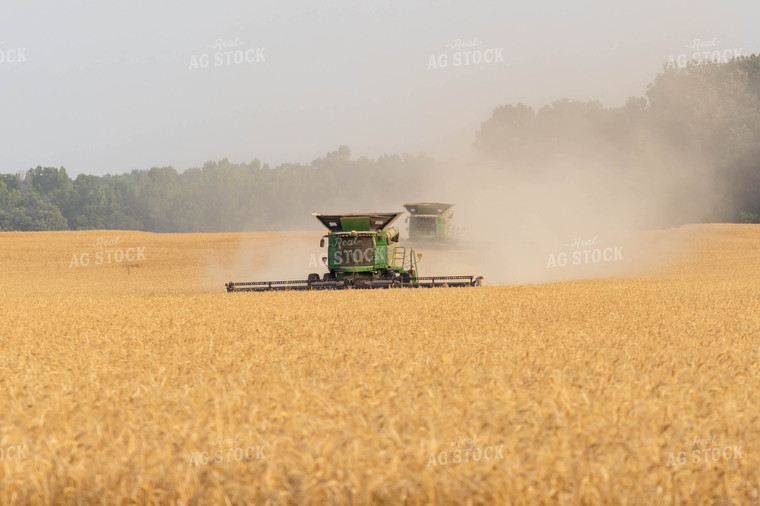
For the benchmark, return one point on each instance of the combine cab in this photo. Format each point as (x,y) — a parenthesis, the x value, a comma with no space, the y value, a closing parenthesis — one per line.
(430,223)
(362,252)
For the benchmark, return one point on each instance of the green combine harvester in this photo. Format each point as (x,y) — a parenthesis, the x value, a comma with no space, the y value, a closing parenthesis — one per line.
(430,223)
(362,252)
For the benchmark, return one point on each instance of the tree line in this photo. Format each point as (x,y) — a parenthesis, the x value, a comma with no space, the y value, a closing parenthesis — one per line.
(219,197)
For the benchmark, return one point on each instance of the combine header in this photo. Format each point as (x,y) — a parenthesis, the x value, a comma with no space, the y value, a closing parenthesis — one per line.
(362,252)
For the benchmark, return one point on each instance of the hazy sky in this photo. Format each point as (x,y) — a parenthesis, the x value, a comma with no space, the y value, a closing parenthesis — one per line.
(108,86)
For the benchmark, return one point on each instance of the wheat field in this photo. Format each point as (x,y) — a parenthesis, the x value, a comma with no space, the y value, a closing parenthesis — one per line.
(140,381)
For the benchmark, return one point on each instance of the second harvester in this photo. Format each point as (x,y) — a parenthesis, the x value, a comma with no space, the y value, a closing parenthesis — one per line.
(430,223)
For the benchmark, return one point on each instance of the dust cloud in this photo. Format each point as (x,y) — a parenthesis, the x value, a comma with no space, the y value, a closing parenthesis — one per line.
(577,219)
(267,256)
(574,219)
(567,201)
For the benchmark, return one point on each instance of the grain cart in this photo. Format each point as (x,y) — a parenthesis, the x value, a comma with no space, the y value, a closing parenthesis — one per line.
(430,223)
(362,252)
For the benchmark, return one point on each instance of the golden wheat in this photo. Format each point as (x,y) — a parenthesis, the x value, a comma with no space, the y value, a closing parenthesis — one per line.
(118,377)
